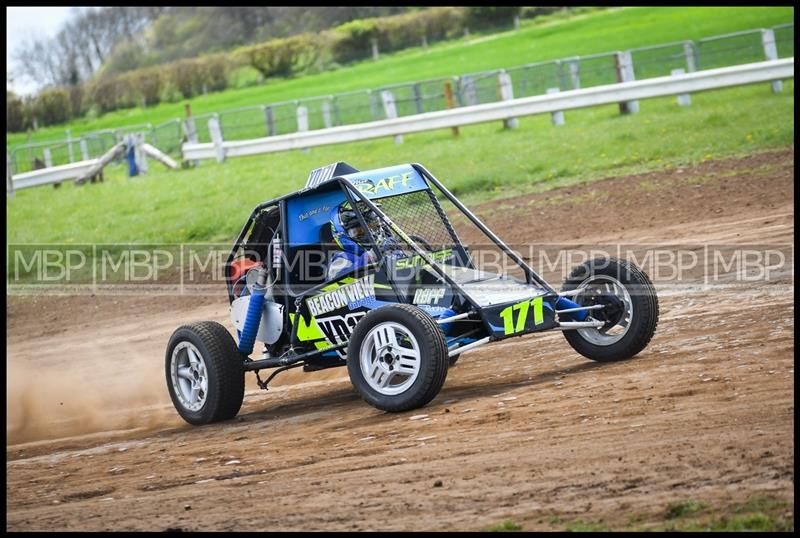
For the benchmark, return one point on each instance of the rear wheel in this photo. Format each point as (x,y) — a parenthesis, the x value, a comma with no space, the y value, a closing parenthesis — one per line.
(204,373)
(630,315)
(397,358)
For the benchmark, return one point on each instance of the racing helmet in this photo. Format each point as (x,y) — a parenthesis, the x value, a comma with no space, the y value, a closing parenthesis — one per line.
(347,230)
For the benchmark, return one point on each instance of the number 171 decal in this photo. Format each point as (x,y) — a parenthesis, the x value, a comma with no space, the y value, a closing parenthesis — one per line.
(523,307)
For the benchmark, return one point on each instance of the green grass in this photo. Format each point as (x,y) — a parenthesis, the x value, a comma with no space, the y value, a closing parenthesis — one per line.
(683,508)
(505,526)
(592,32)
(211,202)
(579,525)
(757,514)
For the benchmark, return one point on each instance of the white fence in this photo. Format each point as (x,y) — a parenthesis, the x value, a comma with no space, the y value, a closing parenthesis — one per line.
(46,176)
(504,110)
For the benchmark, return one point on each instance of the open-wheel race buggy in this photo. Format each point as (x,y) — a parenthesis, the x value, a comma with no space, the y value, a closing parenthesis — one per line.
(366,270)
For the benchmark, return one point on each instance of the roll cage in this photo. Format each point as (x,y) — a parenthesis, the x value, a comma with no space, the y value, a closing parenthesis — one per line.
(468,313)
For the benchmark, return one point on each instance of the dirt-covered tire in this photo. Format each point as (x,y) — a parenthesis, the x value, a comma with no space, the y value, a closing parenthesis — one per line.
(397,358)
(635,309)
(204,372)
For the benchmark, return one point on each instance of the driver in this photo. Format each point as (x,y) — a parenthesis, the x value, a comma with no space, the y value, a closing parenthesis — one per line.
(352,239)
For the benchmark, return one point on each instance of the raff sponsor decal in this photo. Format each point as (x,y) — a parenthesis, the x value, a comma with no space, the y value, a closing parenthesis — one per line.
(350,295)
(429,295)
(387,185)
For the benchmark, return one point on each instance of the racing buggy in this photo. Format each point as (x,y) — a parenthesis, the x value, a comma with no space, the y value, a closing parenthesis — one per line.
(366,270)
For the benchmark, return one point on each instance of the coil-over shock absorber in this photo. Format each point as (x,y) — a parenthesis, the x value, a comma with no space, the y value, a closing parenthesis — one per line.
(255,308)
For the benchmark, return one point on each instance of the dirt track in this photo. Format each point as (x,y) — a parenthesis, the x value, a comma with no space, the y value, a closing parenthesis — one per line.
(525,429)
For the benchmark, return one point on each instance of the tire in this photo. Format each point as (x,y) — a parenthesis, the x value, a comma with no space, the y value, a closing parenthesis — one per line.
(221,363)
(610,276)
(383,379)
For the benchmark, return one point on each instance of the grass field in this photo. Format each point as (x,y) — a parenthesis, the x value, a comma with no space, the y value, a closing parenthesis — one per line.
(210,202)
(593,32)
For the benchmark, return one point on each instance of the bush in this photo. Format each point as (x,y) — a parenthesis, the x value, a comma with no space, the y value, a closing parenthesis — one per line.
(489,17)
(214,72)
(533,12)
(77,108)
(103,93)
(282,57)
(354,40)
(187,77)
(396,32)
(443,22)
(52,106)
(15,113)
(127,91)
(151,82)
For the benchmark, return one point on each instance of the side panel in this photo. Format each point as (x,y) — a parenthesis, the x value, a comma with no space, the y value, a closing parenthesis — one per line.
(520,317)
(329,316)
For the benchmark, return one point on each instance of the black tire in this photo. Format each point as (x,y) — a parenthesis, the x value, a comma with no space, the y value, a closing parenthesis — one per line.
(223,365)
(433,361)
(644,318)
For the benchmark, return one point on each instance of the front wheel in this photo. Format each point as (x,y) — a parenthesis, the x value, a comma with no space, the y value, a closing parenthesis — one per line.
(630,315)
(397,358)
(205,377)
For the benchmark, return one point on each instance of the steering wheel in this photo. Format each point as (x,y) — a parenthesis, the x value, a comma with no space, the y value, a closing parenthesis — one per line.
(421,241)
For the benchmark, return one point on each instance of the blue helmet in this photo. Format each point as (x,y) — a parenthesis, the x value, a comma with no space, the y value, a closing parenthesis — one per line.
(347,230)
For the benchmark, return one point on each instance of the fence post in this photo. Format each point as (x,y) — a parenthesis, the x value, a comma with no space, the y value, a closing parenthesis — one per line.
(516,22)
(302,122)
(506,90)
(771,53)
(48,158)
(562,77)
(269,119)
(556,117)
(337,120)
(391,111)
(84,149)
(448,99)
(326,114)
(624,67)
(190,130)
(574,72)
(418,98)
(375,53)
(690,51)
(9,180)
(424,40)
(468,90)
(216,137)
(69,146)
(684,99)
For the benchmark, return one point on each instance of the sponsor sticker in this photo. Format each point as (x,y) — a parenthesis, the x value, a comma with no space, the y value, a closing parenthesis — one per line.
(351,295)
(385,185)
(312,212)
(429,295)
